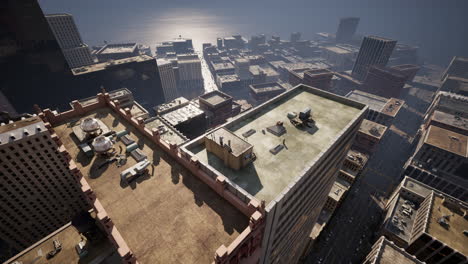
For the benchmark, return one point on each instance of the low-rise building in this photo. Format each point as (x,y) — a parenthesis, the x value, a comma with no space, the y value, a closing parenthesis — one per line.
(319,78)
(265,91)
(340,57)
(353,165)
(384,81)
(385,251)
(218,107)
(188,119)
(369,136)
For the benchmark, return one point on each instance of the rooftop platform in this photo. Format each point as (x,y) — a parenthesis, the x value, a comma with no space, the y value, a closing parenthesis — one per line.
(68,237)
(447,140)
(389,253)
(167,132)
(453,235)
(104,65)
(270,174)
(215,98)
(118,48)
(182,114)
(372,129)
(167,216)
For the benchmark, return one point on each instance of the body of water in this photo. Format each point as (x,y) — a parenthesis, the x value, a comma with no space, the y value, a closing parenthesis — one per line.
(437,27)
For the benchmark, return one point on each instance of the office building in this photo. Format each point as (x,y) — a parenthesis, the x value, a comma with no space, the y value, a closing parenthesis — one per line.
(219,43)
(427,224)
(319,78)
(234,42)
(455,78)
(385,251)
(258,71)
(229,83)
(68,37)
(440,158)
(117,51)
(404,54)
(169,76)
(384,81)
(295,37)
(190,78)
(218,107)
(257,40)
(408,70)
(291,168)
(25,64)
(458,67)
(40,191)
(138,74)
(265,91)
(353,165)
(369,136)
(340,57)
(178,46)
(374,51)
(381,110)
(189,119)
(179,231)
(346,29)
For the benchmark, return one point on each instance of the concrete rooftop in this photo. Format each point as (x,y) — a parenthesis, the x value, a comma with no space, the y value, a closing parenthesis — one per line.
(168,216)
(453,236)
(68,236)
(269,174)
(447,140)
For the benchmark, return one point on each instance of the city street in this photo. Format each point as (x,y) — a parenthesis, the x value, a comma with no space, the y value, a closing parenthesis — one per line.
(349,235)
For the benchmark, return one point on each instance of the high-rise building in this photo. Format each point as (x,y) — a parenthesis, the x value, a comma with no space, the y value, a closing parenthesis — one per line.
(117,51)
(287,165)
(31,56)
(428,224)
(455,78)
(384,81)
(374,51)
(190,76)
(346,29)
(256,40)
(168,78)
(441,156)
(68,37)
(295,36)
(318,78)
(219,43)
(39,188)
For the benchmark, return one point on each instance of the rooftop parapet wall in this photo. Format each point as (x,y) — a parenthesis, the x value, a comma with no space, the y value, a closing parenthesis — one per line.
(245,203)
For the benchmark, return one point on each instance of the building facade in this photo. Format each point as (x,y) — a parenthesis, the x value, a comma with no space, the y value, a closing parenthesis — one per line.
(346,29)
(374,51)
(117,51)
(39,190)
(383,81)
(66,32)
(319,78)
(190,78)
(168,78)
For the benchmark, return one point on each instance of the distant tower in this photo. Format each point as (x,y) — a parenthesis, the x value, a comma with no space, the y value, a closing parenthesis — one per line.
(346,29)
(39,190)
(219,43)
(374,51)
(75,51)
(295,36)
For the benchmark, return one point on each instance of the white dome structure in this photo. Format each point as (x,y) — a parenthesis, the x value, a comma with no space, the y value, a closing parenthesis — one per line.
(102,144)
(90,125)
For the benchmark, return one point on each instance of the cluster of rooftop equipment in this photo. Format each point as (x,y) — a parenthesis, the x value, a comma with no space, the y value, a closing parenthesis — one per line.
(96,141)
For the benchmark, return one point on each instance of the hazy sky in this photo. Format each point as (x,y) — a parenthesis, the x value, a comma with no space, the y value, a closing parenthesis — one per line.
(438,27)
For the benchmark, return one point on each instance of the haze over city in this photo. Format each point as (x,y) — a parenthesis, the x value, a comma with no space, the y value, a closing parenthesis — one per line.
(233,132)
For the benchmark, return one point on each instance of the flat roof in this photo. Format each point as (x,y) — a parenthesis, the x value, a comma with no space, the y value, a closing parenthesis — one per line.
(339,188)
(118,48)
(269,71)
(182,114)
(222,65)
(19,124)
(447,140)
(401,224)
(450,119)
(374,102)
(372,129)
(237,144)
(169,216)
(215,97)
(68,237)
(269,174)
(104,65)
(166,131)
(266,87)
(338,50)
(392,254)
(392,107)
(452,236)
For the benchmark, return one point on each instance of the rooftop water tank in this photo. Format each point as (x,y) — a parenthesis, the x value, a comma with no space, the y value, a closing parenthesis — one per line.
(102,144)
(89,125)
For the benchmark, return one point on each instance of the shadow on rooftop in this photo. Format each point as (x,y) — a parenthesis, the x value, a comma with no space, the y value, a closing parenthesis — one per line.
(233,219)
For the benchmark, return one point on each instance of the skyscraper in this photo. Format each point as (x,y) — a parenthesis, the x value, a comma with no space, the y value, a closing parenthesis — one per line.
(39,190)
(68,37)
(374,51)
(168,78)
(346,29)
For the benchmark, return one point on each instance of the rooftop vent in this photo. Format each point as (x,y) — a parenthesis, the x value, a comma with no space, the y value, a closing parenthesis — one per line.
(25,132)
(12,136)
